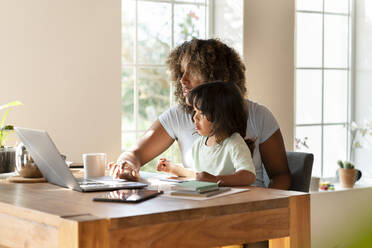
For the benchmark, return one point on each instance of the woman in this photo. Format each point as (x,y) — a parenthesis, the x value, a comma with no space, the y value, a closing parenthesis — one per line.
(190,64)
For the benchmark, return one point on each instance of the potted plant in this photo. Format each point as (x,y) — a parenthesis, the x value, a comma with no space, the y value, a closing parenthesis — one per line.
(7,154)
(347,172)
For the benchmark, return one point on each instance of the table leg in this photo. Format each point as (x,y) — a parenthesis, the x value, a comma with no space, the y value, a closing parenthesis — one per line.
(299,229)
(84,231)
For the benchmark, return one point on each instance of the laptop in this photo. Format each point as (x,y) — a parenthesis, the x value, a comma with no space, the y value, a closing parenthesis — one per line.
(55,170)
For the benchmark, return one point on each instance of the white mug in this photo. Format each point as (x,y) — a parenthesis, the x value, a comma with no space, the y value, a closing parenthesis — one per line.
(94,164)
(314,184)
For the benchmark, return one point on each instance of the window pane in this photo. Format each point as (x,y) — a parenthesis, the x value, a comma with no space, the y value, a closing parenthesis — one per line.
(176,155)
(336,6)
(189,22)
(127,98)
(310,5)
(308,96)
(151,165)
(334,148)
(313,134)
(127,140)
(335,41)
(154,32)
(153,95)
(335,96)
(128,10)
(309,40)
(191,1)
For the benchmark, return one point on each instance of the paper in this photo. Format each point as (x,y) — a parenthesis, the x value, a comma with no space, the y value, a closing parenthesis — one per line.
(155,182)
(232,191)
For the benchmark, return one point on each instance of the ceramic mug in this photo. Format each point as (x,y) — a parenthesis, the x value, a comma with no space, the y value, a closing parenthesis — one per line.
(94,164)
(314,184)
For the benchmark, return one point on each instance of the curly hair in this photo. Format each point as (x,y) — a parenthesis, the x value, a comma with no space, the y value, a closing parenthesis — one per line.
(210,60)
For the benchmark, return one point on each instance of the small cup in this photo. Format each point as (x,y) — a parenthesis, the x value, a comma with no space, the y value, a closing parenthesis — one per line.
(94,164)
(314,184)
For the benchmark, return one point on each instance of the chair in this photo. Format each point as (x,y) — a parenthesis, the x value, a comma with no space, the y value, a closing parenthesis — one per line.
(300,166)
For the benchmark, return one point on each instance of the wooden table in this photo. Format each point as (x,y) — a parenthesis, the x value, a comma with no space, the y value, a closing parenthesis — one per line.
(45,215)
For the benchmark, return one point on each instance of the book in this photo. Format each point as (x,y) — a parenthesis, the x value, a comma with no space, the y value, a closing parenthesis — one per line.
(200,194)
(194,185)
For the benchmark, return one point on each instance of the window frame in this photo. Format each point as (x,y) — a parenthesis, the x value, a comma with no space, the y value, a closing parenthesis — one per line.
(350,81)
(135,66)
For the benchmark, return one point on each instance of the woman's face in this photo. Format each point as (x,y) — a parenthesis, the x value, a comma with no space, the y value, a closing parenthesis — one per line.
(189,80)
(202,125)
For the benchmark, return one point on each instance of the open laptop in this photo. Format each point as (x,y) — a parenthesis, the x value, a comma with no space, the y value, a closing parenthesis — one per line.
(55,170)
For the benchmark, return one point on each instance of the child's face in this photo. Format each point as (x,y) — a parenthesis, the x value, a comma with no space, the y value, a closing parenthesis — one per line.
(202,125)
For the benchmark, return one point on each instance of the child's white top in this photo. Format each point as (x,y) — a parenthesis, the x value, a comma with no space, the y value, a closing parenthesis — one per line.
(226,158)
(261,124)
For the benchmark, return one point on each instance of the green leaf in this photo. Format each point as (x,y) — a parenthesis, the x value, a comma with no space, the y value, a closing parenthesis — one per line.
(349,165)
(7,128)
(4,116)
(340,163)
(11,104)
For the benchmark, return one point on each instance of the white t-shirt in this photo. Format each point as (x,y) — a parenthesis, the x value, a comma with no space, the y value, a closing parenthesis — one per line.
(226,158)
(261,124)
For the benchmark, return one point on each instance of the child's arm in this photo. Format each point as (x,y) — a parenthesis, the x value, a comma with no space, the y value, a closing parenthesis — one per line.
(239,178)
(167,166)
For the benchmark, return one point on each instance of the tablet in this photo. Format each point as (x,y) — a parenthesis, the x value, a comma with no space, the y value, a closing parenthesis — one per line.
(127,195)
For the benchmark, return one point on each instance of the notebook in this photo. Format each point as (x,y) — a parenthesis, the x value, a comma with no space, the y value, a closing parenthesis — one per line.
(200,194)
(194,185)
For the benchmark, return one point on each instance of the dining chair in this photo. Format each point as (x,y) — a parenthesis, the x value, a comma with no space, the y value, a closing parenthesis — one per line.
(300,166)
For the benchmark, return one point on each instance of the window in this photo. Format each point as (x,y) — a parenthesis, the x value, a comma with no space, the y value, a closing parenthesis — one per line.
(323,36)
(150,30)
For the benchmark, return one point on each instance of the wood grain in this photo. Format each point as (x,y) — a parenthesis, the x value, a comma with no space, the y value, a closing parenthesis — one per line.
(84,231)
(300,221)
(67,218)
(19,232)
(299,225)
(207,232)
(19,179)
(280,242)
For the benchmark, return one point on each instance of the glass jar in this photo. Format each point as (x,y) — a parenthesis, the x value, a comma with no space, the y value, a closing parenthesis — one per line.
(25,165)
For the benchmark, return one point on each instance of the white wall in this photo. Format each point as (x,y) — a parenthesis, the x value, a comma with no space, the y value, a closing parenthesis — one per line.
(340,219)
(268,51)
(363,79)
(62,60)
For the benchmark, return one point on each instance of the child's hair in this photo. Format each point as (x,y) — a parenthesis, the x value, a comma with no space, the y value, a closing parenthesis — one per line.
(223,105)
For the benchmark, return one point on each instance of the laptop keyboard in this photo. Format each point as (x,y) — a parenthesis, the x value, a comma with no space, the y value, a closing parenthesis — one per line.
(84,182)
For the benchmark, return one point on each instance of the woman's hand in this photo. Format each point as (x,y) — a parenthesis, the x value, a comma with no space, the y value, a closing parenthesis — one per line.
(164,165)
(205,176)
(124,169)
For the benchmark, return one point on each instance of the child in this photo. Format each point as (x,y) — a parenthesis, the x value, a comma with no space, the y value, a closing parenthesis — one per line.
(220,154)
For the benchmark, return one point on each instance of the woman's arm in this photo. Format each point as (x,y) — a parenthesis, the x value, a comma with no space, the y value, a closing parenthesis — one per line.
(274,158)
(239,178)
(155,141)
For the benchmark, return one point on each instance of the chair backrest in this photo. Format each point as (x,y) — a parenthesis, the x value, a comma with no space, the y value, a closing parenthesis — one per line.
(300,166)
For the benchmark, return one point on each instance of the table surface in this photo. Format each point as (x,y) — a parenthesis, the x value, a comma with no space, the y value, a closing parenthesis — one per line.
(49,204)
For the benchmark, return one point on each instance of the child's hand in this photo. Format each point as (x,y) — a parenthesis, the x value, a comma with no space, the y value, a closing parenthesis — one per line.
(205,176)
(164,165)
